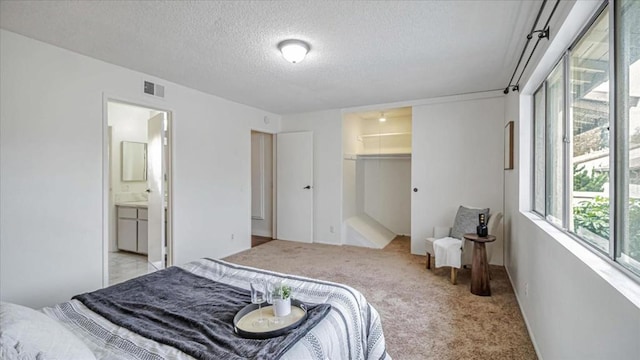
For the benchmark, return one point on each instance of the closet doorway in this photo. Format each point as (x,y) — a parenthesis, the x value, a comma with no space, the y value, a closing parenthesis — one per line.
(376,176)
(262,189)
(139,191)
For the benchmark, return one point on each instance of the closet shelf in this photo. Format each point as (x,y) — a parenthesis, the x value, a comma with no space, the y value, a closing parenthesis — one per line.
(360,137)
(381,156)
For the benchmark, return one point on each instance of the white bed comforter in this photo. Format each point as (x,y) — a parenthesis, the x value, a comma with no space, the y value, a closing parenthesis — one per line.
(351,330)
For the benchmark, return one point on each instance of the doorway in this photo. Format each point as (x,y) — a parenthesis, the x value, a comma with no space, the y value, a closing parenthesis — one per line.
(138,177)
(262,189)
(377,176)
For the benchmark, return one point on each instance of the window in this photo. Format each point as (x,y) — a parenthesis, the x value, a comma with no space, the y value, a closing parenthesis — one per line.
(586,164)
(589,128)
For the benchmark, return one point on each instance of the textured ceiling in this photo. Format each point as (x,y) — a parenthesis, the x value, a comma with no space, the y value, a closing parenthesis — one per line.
(362,53)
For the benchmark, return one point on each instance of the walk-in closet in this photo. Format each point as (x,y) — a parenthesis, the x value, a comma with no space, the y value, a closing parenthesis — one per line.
(376,176)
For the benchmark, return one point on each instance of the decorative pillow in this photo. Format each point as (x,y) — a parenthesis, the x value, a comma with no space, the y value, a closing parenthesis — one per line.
(466,221)
(29,334)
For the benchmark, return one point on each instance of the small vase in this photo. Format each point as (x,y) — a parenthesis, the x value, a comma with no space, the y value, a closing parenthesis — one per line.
(281,307)
(482,229)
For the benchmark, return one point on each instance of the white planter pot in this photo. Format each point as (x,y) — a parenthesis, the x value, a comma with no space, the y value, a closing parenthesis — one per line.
(281,307)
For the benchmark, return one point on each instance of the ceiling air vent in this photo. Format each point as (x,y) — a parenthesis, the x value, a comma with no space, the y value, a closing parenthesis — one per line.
(153,89)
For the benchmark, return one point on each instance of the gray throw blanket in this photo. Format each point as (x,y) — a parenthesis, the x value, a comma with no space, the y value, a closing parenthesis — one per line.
(192,314)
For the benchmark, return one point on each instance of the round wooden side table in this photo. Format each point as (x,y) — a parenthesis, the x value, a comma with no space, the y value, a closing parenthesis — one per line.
(479,265)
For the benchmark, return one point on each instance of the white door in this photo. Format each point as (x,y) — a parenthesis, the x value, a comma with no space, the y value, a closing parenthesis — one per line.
(155,182)
(294,200)
(419,196)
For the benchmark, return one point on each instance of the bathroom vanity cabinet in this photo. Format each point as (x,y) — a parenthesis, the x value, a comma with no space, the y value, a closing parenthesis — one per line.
(132,229)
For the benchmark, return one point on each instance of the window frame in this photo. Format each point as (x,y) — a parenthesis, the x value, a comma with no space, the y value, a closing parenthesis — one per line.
(559,66)
(618,155)
(543,92)
(569,133)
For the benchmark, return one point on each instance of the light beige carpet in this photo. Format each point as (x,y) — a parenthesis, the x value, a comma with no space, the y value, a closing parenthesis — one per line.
(423,315)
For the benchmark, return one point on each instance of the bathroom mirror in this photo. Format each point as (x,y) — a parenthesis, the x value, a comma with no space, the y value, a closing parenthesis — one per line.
(134,161)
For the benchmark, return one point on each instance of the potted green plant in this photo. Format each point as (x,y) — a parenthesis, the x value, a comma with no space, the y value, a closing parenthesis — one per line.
(282,300)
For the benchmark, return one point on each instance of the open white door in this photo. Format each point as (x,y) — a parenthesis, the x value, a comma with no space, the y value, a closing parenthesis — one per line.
(155,183)
(294,186)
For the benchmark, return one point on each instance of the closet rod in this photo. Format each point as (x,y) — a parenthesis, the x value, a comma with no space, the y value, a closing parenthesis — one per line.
(383,156)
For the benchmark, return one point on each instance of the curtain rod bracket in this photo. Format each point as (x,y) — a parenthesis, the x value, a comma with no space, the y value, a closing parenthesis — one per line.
(541,34)
(513,88)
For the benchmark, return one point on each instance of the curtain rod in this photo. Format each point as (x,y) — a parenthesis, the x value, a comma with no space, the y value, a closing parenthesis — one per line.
(543,33)
(533,27)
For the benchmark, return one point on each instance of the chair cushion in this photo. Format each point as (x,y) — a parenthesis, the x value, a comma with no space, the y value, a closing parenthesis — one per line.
(466,221)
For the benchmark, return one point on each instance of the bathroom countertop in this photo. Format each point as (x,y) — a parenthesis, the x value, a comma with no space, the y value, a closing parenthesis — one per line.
(138,204)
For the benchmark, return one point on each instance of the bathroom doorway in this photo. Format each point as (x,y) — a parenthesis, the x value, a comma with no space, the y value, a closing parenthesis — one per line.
(139,190)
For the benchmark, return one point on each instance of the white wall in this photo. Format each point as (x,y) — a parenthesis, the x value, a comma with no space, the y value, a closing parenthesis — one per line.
(457,160)
(327,169)
(262,175)
(576,305)
(51,169)
(352,127)
(387,192)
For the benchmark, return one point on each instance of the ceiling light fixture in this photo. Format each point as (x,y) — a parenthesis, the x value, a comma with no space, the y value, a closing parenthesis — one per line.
(382,118)
(293,50)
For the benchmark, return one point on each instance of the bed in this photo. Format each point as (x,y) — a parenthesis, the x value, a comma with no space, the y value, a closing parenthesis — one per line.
(349,328)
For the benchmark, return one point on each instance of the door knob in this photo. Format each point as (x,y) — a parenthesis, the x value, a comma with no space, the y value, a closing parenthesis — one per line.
(415,189)
(307,187)
(148,190)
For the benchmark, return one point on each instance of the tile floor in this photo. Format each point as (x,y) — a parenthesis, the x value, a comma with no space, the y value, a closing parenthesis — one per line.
(124,266)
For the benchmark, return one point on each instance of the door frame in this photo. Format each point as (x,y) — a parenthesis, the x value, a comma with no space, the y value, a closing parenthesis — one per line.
(106,175)
(274,187)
